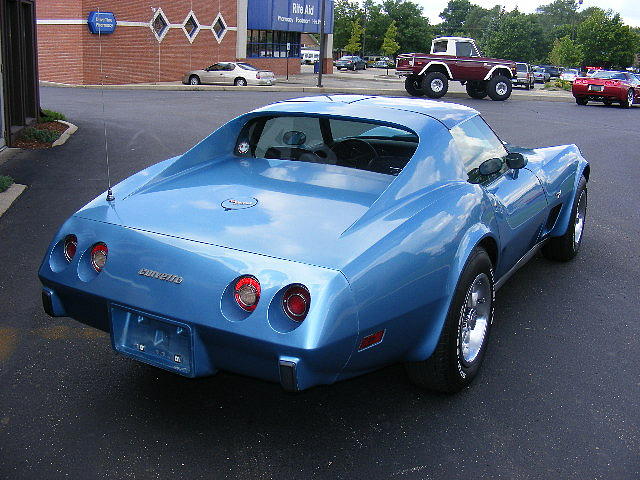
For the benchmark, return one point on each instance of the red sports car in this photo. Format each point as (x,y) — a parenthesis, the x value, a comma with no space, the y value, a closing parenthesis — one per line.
(608,87)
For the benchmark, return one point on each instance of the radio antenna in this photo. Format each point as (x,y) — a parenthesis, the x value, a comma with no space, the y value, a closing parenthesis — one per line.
(110,197)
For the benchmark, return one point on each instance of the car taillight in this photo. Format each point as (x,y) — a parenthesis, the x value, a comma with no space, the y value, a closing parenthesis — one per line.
(296,302)
(99,253)
(612,83)
(247,293)
(70,247)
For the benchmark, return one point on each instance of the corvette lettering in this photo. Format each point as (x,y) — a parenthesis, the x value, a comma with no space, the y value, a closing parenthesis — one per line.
(160,276)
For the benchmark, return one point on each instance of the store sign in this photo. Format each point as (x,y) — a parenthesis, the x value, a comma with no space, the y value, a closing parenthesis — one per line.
(289,15)
(101,22)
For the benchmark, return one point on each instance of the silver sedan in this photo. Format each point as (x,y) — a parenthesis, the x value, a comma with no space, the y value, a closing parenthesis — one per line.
(230,73)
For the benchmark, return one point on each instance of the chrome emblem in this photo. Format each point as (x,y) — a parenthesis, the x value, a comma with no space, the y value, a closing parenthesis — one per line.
(145,272)
(239,203)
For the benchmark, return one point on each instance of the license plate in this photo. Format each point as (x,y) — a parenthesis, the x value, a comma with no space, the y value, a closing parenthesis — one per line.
(596,88)
(147,338)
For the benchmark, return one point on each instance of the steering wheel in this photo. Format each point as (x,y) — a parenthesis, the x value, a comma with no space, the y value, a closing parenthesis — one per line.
(354,153)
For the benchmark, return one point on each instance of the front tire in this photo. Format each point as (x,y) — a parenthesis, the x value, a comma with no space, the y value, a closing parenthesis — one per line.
(476,90)
(499,88)
(566,247)
(194,80)
(412,86)
(463,341)
(627,102)
(435,84)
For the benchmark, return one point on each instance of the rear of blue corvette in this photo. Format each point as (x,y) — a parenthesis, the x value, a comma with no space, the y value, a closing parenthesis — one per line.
(302,273)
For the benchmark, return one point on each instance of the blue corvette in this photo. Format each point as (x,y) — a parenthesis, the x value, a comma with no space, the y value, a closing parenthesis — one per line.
(317,239)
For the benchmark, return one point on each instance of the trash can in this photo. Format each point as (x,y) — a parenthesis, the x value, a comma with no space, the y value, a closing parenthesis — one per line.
(316,67)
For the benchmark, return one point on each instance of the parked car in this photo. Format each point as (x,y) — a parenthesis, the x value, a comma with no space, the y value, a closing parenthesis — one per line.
(232,73)
(232,257)
(383,64)
(554,72)
(459,59)
(524,76)
(607,87)
(350,62)
(570,74)
(541,75)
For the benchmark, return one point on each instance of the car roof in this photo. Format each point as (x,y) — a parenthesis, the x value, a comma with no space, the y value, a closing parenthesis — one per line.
(375,107)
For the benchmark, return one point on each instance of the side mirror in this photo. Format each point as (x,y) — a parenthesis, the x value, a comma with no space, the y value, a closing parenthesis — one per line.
(491,166)
(516,160)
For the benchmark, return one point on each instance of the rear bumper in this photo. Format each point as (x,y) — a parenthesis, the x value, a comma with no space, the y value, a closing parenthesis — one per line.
(607,93)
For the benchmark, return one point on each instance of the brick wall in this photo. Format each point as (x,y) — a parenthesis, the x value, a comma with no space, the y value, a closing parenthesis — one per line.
(70,54)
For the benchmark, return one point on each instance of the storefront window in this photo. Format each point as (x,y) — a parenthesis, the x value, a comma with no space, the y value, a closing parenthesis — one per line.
(272,44)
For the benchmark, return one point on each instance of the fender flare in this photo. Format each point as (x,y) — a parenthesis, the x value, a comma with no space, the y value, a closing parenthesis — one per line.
(471,239)
(498,67)
(426,67)
(562,223)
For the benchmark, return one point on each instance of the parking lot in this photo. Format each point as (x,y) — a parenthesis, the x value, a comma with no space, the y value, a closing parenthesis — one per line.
(557,396)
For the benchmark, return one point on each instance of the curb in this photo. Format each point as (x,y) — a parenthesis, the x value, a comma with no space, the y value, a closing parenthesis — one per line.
(9,196)
(71,129)
(286,88)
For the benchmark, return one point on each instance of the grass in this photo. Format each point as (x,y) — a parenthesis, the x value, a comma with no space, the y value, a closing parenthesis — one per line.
(558,85)
(44,136)
(5,182)
(51,116)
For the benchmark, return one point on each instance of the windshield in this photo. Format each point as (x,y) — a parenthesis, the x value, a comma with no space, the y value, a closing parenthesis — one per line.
(347,58)
(331,141)
(610,75)
(571,71)
(246,66)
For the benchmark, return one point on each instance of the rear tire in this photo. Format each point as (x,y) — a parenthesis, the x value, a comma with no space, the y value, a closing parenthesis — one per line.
(565,248)
(499,88)
(462,344)
(581,101)
(240,82)
(435,84)
(412,86)
(476,89)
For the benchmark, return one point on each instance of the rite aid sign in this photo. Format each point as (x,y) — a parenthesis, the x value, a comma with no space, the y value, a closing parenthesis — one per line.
(289,15)
(101,22)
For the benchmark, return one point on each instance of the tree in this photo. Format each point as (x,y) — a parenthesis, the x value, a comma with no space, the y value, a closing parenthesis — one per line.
(566,52)
(516,38)
(356,35)
(344,12)
(389,44)
(606,41)
(414,34)
(454,16)
(375,23)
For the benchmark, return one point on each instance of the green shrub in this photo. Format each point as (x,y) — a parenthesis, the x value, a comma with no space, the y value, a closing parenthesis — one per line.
(51,116)
(45,136)
(5,182)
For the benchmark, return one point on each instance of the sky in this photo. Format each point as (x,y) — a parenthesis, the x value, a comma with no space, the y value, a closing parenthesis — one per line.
(629,10)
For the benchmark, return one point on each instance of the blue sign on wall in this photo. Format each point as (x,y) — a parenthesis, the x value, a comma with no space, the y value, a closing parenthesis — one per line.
(102,22)
(289,15)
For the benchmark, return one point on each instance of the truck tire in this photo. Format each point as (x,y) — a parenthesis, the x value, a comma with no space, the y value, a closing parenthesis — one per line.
(412,86)
(477,89)
(499,88)
(435,84)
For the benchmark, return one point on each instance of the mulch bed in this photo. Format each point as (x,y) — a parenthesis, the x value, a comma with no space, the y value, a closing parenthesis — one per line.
(33,144)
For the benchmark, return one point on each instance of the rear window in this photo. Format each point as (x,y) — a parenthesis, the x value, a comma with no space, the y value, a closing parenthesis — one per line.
(330,141)
(246,66)
(610,75)
(440,47)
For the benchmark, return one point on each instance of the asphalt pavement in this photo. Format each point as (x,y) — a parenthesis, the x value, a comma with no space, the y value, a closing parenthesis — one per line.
(558,396)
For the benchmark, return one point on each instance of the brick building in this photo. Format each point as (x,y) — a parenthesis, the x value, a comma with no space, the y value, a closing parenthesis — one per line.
(160,41)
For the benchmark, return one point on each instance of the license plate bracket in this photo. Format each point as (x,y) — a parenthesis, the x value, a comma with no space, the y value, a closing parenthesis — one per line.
(596,88)
(150,339)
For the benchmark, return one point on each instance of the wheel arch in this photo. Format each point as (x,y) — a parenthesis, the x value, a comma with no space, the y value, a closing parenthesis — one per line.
(562,223)
(499,70)
(441,67)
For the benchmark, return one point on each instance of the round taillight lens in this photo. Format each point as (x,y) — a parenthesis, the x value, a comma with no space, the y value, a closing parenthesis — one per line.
(99,253)
(247,293)
(70,247)
(296,302)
